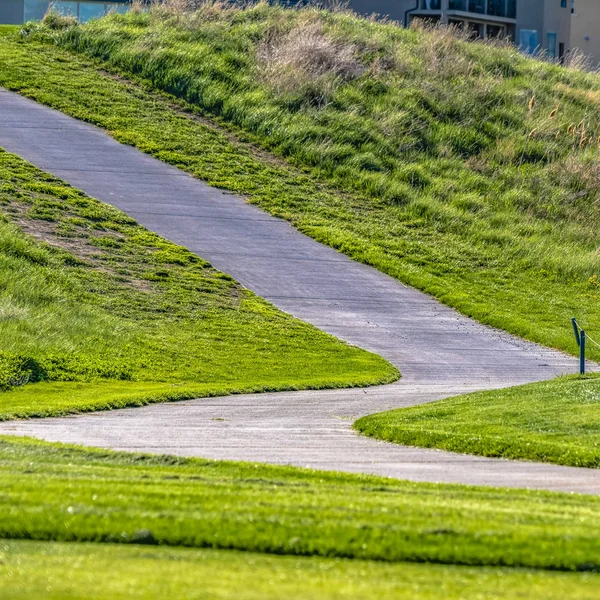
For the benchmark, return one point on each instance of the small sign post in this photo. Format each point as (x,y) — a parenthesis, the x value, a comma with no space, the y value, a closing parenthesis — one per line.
(582,353)
(580,339)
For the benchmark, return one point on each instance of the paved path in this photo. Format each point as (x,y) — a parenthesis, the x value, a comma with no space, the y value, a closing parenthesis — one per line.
(439,352)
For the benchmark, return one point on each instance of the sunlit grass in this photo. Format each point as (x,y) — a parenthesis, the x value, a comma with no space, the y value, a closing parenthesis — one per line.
(556,421)
(45,570)
(62,493)
(96,312)
(464,169)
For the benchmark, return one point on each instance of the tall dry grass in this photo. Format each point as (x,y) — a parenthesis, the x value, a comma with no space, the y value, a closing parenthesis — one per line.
(306,58)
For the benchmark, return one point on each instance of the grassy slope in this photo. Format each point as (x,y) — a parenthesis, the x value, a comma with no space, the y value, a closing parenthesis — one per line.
(552,539)
(57,570)
(102,297)
(61,493)
(556,421)
(459,176)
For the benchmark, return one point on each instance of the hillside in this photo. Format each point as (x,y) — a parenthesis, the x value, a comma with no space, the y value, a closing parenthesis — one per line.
(98,312)
(464,169)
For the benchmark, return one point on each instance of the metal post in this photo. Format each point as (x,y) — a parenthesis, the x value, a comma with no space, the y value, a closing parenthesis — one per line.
(582,353)
(575,330)
(444,12)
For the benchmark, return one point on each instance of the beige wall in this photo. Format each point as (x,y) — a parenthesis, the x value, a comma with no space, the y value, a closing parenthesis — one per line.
(586,24)
(557,20)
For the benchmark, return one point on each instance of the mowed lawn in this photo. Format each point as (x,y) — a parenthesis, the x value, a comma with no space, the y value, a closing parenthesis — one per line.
(98,312)
(556,421)
(60,493)
(54,570)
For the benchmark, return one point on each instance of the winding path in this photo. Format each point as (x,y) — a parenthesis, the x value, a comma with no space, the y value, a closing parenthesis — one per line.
(439,352)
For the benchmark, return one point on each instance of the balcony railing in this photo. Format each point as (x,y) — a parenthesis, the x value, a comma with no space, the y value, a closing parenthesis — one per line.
(494,8)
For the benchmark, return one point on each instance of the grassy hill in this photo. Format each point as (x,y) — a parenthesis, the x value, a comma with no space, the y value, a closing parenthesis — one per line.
(555,421)
(440,162)
(98,312)
(464,169)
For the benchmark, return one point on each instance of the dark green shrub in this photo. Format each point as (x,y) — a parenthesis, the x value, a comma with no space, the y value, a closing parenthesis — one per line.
(17,370)
(75,367)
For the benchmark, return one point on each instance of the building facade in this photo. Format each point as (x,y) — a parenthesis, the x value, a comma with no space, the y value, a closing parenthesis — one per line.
(545,25)
(585,30)
(534,25)
(14,12)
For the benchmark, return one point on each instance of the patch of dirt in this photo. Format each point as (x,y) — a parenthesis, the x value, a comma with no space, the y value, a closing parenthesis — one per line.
(77,244)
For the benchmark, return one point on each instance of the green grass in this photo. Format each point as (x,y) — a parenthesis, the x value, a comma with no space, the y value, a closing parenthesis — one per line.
(45,570)
(8,29)
(393,167)
(555,421)
(61,493)
(97,312)
(438,161)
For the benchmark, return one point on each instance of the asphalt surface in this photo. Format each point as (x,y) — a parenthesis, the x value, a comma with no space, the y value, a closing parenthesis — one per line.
(439,352)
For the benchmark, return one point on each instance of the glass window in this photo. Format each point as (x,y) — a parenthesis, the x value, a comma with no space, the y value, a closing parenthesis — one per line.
(496,31)
(552,45)
(66,8)
(511,9)
(475,29)
(496,8)
(528,40)
(477,6)
(90,10)
(120,8)
(35,9)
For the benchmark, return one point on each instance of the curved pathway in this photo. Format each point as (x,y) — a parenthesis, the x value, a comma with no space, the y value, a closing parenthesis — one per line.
(439,352)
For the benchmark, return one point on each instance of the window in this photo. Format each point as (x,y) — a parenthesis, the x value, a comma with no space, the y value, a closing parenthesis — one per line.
(35,10)
(475,29)
(496,31)
(90,10)
(66,8)
(477,6)
(551,45)
(120,8)
(563,3)
(528,40)
(496,8)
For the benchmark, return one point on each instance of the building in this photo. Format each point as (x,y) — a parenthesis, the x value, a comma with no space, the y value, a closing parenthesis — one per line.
(20,11)
(585,29)
(545,25)
(532,24)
